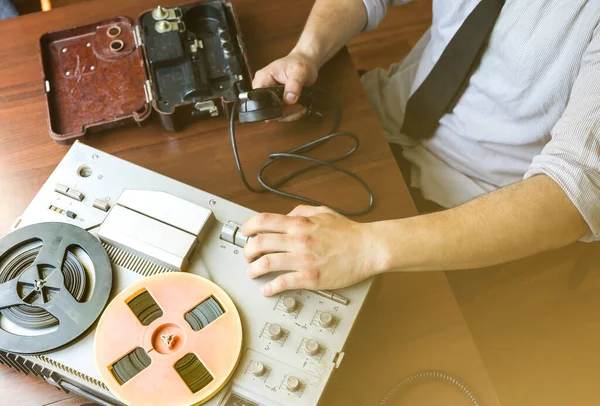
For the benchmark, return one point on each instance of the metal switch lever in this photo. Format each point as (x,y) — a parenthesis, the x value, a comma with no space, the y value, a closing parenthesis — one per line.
(231,232)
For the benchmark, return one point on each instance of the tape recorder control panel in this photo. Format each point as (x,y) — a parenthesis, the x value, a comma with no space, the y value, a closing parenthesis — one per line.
(128,287)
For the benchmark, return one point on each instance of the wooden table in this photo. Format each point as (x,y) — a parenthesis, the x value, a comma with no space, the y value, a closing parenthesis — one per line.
(413,321)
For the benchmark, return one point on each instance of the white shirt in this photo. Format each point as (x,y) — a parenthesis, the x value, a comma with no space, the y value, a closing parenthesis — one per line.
(532,106)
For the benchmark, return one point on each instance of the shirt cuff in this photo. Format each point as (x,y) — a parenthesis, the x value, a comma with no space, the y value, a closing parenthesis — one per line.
(581,186)
(376,10)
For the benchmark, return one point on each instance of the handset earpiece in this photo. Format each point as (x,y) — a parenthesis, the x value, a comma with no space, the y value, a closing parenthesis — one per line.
(267,104)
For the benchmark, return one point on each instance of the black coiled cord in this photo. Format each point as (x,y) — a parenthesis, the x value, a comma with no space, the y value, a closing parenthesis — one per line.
(296,153)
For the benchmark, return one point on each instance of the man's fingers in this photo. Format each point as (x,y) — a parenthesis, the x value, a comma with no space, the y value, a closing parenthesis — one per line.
(292,112)
(271,263)
(293,88)
(267,243)
(267,223)
(263,78)
(287,281)
(307,211)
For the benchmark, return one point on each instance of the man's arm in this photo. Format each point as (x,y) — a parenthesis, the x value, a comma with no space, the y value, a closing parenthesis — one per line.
(523,219)
(331,24)
(324,250)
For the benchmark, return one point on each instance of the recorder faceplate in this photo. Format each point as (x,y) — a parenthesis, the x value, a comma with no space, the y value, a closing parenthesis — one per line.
(291,343)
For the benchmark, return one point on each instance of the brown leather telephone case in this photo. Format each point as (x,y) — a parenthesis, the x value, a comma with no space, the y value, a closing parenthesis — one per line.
(186,62)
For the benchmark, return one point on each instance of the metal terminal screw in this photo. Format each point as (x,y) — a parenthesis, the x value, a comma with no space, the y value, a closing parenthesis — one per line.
(160,13)
(236,252)
(212,202)
(95,156)
(162,26)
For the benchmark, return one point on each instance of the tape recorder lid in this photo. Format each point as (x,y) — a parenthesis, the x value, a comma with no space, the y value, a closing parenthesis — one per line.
(184,62)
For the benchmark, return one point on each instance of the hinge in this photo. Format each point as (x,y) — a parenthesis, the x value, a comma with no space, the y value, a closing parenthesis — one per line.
(137,36)
(148,91)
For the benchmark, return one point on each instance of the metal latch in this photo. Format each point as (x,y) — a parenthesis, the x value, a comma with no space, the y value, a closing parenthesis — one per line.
(207,106)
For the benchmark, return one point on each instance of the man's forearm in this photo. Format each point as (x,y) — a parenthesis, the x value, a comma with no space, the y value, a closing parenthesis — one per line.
(520,220)
(331,24)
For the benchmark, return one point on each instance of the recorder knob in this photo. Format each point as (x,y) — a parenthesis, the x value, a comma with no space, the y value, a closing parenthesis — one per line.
(292,383)
(289,304)
(311,347)
(257,368)
(325,319)
(274,331)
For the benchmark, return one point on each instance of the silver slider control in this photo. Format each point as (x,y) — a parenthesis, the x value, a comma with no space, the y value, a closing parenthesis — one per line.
(75,194)
(229,231)
(67,191)
(340,299)
(100,205)
(62,189)
(241,240)
(333,296)
(232,233)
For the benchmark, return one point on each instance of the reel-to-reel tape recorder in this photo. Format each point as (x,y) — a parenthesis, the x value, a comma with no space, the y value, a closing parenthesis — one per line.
(128,287)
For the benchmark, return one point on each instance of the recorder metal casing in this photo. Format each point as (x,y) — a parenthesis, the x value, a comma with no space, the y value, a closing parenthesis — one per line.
(292,343)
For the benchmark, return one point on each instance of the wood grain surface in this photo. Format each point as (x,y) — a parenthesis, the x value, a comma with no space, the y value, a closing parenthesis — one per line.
(412,322)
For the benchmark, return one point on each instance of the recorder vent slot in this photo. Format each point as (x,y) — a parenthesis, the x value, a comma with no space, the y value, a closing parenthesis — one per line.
(72,371)
(132,262)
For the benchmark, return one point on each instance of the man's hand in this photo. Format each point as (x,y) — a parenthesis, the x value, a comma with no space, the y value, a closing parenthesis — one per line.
(294,71)
(316,247)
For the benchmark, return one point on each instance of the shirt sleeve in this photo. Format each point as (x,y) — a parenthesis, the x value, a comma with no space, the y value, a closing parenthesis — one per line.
(376,10)
(572,156)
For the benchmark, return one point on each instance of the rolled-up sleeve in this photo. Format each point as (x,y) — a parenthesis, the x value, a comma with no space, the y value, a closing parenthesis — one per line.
(376,10)
(572,156)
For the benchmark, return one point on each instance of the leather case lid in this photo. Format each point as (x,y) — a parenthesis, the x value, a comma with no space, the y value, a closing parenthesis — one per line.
(95,78)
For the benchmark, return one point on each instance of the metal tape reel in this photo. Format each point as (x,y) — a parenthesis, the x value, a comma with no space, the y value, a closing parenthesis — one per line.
(42,285)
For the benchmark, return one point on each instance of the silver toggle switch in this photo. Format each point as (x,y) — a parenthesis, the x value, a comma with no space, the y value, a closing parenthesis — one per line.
(289,304)
(292,383)
(229,231)
(274,331)
(241,240)
(257,368)
(311,347)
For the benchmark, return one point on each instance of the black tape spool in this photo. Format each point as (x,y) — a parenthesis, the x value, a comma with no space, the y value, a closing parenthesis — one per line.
(45,274)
